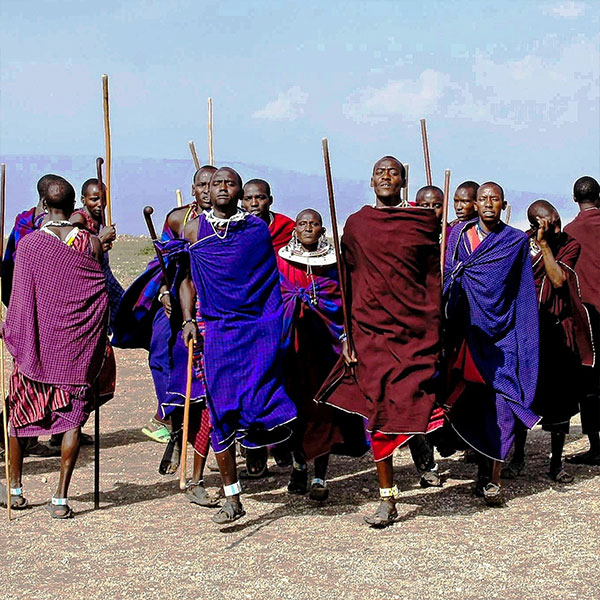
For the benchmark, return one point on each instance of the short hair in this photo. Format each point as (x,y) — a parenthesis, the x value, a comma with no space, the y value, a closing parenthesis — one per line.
(312,210)
(259,182)
(44,182)
(429,188)
(402,169)
(60,194)
(586,189)
(543,204)
(203,168)
(494,184)
(472,186)
(87,184)
(232,170)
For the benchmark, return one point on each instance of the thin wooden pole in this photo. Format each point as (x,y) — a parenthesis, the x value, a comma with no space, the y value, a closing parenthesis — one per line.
(406,194)
(2,382)
(179,198)
(445,219)
(426,151)
(148,210)
(336,243)
(507,214)
(194,154)
(107,147)
(186,417)
(211,154)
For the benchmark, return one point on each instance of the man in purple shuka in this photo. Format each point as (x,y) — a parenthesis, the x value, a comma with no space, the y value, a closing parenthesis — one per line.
(234,273)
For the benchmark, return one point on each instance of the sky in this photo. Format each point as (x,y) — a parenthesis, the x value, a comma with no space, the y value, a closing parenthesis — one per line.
(510,90)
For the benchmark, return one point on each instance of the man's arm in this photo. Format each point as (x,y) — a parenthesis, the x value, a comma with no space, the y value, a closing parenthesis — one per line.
(97,250)
(187,292)
(554,271)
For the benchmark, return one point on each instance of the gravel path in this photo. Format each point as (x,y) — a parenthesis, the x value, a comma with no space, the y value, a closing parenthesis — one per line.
(148,542)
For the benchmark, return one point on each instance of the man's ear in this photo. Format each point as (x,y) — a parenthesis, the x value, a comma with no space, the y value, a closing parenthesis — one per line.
(270,200)
(476,208)
(503,204)
(193,188)
(372,184)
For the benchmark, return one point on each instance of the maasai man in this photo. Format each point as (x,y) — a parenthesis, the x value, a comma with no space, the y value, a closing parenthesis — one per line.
(392,256)
(234,274)
(432,197)
(565,339)
(585,228)
(465,197)
(56,331)
(492,328)
(257,200)
(313,324)
(25,223)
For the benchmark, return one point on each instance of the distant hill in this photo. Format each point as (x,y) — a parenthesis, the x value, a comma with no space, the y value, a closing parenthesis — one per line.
(137,182)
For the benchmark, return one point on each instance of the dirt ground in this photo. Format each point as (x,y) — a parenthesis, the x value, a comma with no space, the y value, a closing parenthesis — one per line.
(146,541)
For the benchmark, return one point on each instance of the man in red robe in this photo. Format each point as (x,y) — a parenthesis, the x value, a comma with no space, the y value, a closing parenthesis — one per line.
(390,357)
(585,228)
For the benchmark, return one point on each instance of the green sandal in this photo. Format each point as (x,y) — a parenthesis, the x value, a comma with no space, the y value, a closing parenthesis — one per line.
(157,432)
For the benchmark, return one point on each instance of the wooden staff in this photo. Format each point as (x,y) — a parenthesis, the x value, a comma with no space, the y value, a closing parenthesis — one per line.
(507,214)
(211,154)
(194,155)
(426,151)
(406,195)
(179,198)
(2,382)
(186,417)
(148,210)
(336,243)
(99,163)
(445,219)
(107,150)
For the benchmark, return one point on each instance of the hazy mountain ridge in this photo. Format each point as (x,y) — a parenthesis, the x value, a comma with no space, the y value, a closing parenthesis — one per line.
(137,182)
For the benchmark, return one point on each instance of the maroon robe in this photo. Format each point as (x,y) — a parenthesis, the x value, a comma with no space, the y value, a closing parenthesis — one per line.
(281,229)
(392,257)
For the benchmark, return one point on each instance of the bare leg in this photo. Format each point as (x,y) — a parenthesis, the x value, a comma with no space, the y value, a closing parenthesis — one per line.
(69,452)
(386,512)
(228,470)
(385,472)
(198,469)
(16,460)
(496,471)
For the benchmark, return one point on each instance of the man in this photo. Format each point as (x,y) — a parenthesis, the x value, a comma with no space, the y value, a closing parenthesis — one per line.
(313,324)
(257,200)
(465,197)
(56,331)
(492,335)
(431,197)
(585,228)
(392,261)
(234,274)
(565,340)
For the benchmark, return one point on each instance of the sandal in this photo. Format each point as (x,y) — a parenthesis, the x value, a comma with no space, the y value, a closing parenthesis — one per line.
(16,494)
(158,432)
(318,490)
(59,508)
(512,470)
(196,493)
(561,476)
(256,464)
(431,478)
(172,454)
(228,513)
(298,481)
(492,494)
(385,515)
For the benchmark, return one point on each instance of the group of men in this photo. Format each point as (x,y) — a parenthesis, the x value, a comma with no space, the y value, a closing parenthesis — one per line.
(468,355)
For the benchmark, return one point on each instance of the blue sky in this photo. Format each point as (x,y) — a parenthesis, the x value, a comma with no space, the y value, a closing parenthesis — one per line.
(510,90)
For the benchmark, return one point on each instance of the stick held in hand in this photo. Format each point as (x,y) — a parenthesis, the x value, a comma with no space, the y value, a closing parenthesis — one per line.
(445,219)
(148,211)
(107,146)
(194,154)
(186,417)
(426,151)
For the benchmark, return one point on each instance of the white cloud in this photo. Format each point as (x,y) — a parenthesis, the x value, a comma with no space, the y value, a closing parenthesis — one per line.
(566,10)
(407,99)
(288,106)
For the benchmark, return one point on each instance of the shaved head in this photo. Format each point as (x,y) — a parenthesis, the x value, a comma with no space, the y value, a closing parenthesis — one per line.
(429,190)
(310,211)
(586,189)
(60,194)
(470,186)
(44,182)
(231,171)
(544,210)
(202,170)
(394,159)
(489,184)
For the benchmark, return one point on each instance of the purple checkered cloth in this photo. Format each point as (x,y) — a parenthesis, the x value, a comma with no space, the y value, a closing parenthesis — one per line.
(56,323)
(490,301)
(237,283)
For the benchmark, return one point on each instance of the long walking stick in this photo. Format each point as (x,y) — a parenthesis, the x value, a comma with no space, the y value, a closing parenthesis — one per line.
(426,151)
(406,195)
(186,417)
(179,198)
(211,154)
(107,148)
(336,243)
(148,210)
(445,219)
(2,382)
(194,154)
(507,214)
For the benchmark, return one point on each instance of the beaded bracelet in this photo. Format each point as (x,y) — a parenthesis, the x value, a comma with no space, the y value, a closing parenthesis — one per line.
(188,321)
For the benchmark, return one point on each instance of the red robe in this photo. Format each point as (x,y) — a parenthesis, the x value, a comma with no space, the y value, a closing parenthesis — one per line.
(281,230)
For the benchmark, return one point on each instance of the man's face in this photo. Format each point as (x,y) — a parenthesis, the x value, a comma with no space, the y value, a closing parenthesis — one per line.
(309,229)
(432,199)
(553,218)
(257,200)
(489,204)
(225,189)
(92,201)
(464,204)
(201,189)
(387,180)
